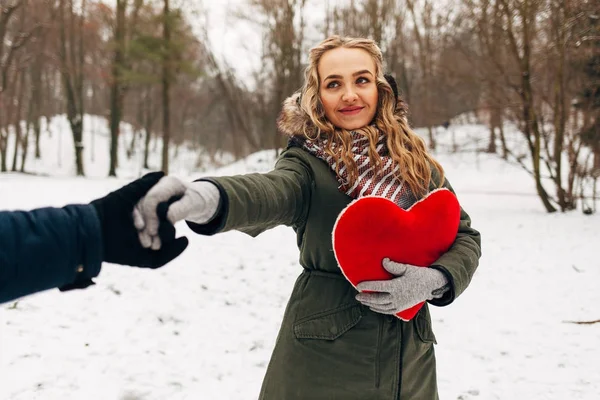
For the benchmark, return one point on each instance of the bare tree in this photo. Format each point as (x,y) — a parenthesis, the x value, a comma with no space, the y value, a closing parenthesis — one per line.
(124,29)
(36,106)
(528,69)
(283,27)
(72,55)
(166,85)
(15,33)
(423,26)
(116,89)
(20,97)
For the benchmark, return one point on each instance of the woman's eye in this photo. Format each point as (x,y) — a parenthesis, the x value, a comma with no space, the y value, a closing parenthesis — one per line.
(362,79)
(332,85)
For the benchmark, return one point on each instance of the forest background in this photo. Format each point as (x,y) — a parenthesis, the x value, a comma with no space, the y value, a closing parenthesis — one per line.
(179,76)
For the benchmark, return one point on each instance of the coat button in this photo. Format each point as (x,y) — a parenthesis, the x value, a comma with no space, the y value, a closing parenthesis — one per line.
(333,330)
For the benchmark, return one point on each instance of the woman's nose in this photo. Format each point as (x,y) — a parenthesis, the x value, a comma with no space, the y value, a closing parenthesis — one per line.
(349,95)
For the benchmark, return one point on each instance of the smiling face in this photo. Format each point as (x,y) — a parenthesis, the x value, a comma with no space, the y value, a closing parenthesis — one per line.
(347,87)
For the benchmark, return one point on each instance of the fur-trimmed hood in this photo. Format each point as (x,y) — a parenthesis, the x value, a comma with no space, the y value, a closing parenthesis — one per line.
(292,121)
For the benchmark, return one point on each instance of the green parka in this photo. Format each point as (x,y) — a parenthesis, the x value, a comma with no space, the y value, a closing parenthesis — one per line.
(329,345)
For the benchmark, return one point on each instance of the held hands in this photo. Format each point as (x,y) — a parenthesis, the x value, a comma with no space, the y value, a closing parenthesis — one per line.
(119,236)
(411,286)
(195,201)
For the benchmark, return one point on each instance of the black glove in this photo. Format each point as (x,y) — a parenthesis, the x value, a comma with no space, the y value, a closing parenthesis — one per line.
(120,237)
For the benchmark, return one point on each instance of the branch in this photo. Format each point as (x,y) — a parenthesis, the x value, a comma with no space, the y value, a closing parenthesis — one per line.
(6,62)
(411,8)
(511,35)
(583,322)
(5,14)
(519,161)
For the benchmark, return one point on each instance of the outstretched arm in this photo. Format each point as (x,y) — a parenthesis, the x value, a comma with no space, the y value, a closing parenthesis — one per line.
(250,203)
(47,248)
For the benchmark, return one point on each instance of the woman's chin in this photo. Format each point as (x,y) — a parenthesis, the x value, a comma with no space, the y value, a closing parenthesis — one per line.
(349,126)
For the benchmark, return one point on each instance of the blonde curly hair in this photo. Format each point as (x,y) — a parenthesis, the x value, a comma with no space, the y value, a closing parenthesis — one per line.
(406,148)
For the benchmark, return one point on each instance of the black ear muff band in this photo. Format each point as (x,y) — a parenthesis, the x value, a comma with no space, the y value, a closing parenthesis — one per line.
(392,82)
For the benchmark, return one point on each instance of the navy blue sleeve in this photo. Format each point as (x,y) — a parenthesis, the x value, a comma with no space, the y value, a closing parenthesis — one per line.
(48,248)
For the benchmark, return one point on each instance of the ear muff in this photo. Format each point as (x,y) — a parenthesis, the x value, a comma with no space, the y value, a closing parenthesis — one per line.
(392,82)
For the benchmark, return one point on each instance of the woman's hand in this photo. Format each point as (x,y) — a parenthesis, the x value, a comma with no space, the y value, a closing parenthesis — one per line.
(411,286)
(196,201)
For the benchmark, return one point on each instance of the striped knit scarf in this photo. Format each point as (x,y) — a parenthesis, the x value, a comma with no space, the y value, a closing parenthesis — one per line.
(368,183)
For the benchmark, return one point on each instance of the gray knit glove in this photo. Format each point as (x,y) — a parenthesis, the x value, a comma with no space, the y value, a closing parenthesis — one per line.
(198,202)
(411,286)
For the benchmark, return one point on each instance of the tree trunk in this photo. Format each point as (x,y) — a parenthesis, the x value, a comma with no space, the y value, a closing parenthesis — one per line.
(3,145)
(37,91)
(76,122)
(521,51)
(494,123)
(25,146)
(2,137)
(131,147)
(36,111)
(532,129)
(166,83)
(7,114)
(147,146)
(503,139)
(423,40)
(20,91)
(432,142)
(147,115)
(565,200)
(491,148)
(16,144)
(4,116)
(72,78)
(25,143)
(116,91)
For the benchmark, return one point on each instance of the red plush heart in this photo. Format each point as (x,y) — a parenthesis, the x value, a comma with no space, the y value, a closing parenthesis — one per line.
(372,228)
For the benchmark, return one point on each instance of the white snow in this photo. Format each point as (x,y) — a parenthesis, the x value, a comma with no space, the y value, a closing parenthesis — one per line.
(203,327)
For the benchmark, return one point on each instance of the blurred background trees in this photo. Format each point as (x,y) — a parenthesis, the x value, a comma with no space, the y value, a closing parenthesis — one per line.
(531,63)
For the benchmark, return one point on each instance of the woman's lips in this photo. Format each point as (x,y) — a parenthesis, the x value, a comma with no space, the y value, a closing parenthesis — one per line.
(351,110)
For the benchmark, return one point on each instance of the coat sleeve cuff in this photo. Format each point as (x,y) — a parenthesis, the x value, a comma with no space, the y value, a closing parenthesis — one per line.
(217,222)
(90,247)
(450,294)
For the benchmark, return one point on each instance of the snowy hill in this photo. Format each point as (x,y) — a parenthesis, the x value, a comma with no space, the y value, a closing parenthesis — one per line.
(204,326)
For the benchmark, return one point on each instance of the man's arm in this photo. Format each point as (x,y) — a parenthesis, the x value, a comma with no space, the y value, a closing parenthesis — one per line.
(47,248)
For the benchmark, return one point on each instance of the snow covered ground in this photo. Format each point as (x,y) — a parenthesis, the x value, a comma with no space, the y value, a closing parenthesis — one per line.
(203,326)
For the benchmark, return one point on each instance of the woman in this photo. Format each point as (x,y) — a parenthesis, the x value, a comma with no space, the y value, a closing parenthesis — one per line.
(349,138)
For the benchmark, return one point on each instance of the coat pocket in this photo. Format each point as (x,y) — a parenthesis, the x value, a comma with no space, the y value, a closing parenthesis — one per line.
(329,324)
(423,326)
